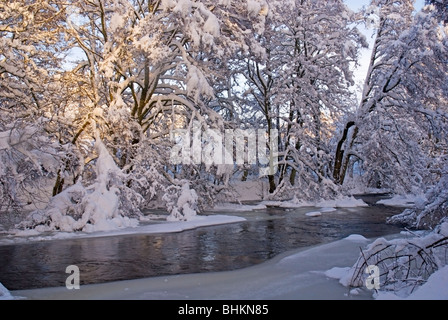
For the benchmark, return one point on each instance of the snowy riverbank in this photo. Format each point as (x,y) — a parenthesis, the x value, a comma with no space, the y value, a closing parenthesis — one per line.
(221,214)
(151,228)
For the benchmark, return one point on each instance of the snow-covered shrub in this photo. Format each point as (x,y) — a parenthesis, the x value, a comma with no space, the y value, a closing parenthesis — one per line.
(182,203)
(105,204)
(28,159)
(404,264)
(429,214)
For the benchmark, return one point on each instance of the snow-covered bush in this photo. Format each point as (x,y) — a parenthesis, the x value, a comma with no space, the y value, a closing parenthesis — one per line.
(182,203)
(404,264)
(429,214)
(95,207)
(28,160)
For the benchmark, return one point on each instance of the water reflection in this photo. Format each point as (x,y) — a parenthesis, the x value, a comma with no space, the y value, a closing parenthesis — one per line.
(266,234)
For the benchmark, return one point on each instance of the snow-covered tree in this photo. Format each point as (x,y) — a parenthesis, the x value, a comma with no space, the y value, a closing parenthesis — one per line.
(144,70)
(442,9)
(31,55)
(94,94)
(395,132)
(301,86)
(411,103)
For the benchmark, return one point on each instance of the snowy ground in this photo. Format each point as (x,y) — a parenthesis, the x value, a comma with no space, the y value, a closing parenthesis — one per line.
(305,274)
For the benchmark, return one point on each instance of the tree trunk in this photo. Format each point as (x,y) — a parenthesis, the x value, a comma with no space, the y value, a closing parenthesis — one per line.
(341,160)
(59,185)
(272,185)
(245,175)
(292,178)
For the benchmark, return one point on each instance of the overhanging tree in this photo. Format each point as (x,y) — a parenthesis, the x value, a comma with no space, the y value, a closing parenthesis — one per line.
(392,132)
(146,69)
(32,51)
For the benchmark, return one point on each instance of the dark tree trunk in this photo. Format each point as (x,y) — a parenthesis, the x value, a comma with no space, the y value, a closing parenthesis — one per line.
(245,175)
(272,185)
(292,178)
(59,184)
(341,161)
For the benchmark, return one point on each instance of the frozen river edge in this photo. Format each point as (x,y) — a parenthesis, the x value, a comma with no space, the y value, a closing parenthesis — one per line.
(296,275)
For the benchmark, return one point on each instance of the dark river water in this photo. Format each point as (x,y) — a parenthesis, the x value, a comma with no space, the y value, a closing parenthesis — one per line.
(265,234)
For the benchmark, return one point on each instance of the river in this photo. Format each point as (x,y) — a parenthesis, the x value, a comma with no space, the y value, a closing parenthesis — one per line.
(265,234)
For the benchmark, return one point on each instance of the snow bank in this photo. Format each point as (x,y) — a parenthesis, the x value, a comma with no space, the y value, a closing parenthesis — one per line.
(343,202)
(356,237)
(337,272)
(320,212)
(436,288)
(409,268)
(192,223)
(402,200)
(234,207)
(322,206)
(5,294)
(326,205)
(314,214)
(154,227)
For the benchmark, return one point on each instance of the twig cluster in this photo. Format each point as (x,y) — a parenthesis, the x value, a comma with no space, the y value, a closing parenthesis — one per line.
(404,264)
